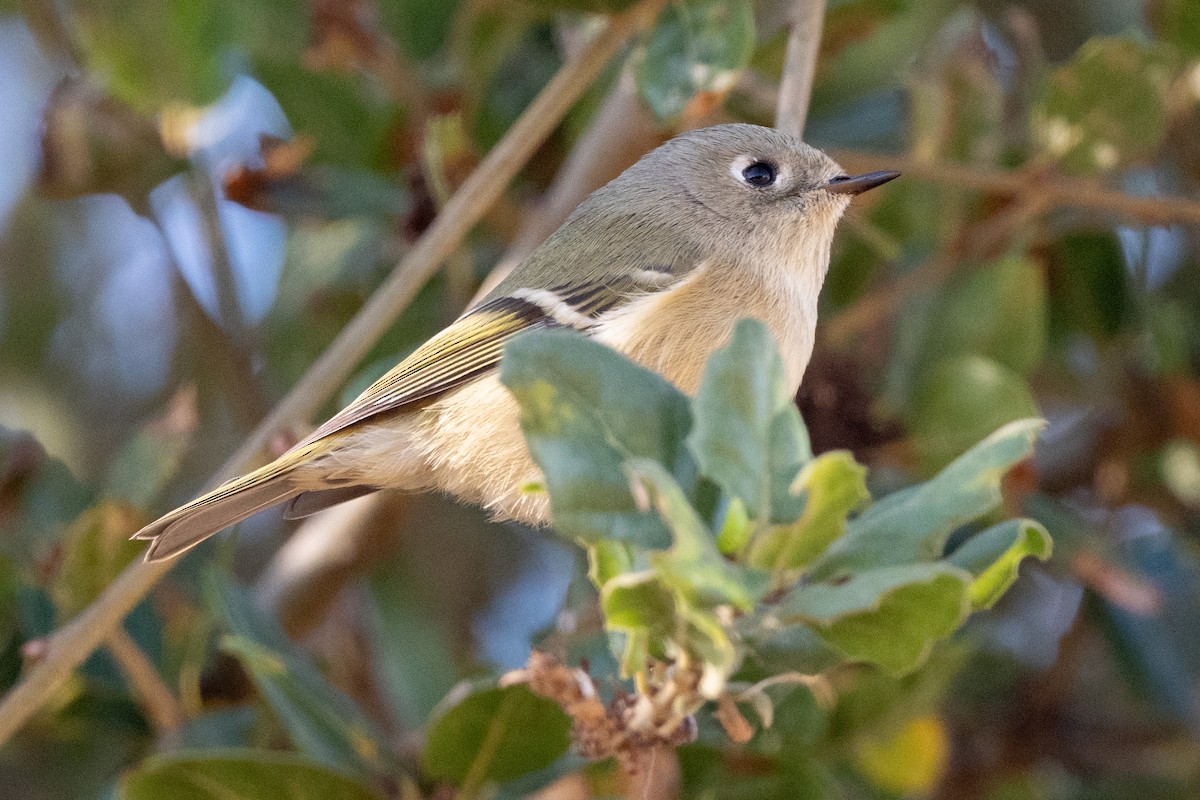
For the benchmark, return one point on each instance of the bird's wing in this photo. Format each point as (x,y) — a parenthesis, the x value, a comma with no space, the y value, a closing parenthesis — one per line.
(472,345)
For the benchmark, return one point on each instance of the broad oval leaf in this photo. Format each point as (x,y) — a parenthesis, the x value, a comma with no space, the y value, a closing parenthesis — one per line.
(996,310)
(586,410)
(698,46)
(495,735)
(238,775)
(890,616)
(748,435)
(959,402)
(913,524)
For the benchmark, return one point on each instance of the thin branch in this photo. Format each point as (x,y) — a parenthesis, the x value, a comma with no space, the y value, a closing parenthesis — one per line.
(1055,191)
(75,641)
(799,66)
(328,550)
(881,303)
(155,697)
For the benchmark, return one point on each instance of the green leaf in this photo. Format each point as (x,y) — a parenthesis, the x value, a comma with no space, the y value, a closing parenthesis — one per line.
(320,719)
(238,775)
(638,601)
(607,560)
(693,566)
(697,46)
(1178,22)
(994,557)
(1089,284)
(42,497)
(493,735)
(1107,107)
(585,410)
(748,436)
(864,40)
(959,402)
(914,523)
(96,547)
(833,484)
(736,529)
(416,667)
(889,616)
(997,310)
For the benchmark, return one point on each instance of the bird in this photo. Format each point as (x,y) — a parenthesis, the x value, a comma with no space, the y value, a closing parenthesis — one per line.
(716,224)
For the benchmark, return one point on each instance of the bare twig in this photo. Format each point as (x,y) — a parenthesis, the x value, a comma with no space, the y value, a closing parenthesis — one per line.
(72,643)
(881,303)
(155,697)
(799,66)
(1054,191)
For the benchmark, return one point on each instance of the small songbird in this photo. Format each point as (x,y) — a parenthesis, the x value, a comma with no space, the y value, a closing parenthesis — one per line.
(717,224)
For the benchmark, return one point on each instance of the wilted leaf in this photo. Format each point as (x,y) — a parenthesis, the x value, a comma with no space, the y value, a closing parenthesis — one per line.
(890,616)
(959,402)
(585,410)
(697,46)
(320,719)
(1107,107)
(914,523)
(748,436)
(238,775)
(994,557)
(497,734)
(833,484)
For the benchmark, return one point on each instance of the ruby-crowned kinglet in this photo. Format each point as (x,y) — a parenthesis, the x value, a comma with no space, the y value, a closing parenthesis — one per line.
(715,225)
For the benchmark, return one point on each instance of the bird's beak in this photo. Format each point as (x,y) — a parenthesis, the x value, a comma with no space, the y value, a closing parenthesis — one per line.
(857,184)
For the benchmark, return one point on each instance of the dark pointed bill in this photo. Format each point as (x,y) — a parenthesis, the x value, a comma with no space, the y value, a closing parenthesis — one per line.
(857,184)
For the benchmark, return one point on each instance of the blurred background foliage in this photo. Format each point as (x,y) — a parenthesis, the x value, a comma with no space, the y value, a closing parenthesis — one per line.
(197,195)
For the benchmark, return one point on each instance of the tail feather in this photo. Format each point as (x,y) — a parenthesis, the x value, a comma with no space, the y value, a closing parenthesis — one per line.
(190,524)
(307,503)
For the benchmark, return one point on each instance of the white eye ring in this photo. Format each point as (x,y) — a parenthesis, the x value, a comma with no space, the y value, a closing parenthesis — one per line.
(742,163)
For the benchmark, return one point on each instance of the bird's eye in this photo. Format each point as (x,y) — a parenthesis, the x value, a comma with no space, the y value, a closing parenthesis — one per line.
(760,173)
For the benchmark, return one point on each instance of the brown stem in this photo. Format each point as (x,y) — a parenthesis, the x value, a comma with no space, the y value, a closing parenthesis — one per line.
(155,697)
(72,643)
(799,66)
(1053,191)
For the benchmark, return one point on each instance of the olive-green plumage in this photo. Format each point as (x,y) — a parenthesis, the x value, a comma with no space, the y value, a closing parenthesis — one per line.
(715,225)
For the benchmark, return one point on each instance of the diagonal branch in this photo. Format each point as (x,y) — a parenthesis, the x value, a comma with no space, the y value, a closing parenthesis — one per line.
(1053,190)
(76,640)
(799,66)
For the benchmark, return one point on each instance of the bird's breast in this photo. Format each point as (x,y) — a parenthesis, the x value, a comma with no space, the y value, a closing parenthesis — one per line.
(674,332)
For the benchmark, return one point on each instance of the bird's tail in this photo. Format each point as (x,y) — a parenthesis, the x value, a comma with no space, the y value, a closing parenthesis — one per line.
(231,502)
